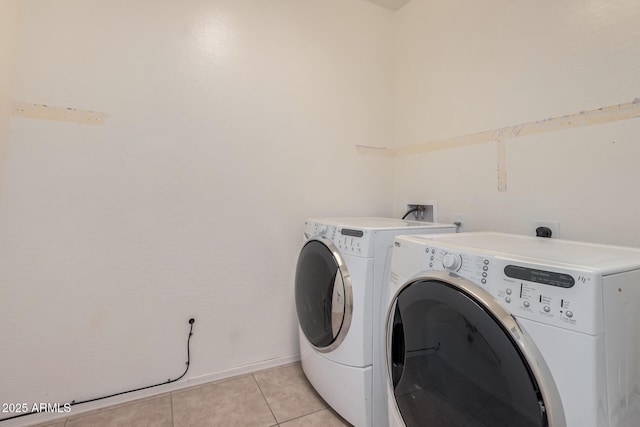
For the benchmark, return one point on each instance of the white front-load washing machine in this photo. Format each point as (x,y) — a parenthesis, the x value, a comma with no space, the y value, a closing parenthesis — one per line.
(490,329)
(338,286)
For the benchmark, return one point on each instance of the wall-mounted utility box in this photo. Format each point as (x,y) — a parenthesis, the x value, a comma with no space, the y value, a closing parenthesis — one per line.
(426,211)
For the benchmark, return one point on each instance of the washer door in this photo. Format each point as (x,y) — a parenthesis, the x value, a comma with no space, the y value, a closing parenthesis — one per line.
(324,299)
(457,358)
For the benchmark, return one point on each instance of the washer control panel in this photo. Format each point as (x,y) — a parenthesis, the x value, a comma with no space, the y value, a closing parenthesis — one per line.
(550,294)
(349,241)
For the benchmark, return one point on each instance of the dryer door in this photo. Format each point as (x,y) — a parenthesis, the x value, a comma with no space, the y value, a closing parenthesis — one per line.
(457,358)
(324,299)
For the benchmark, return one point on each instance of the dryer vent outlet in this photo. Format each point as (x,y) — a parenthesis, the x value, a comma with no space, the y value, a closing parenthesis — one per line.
(427,211)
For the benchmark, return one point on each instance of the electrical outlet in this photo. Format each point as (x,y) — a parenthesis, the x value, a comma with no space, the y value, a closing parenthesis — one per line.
(459,220)
(554,226)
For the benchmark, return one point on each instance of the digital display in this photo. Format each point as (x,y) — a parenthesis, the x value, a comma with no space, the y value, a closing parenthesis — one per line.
(351,233)
(540,276)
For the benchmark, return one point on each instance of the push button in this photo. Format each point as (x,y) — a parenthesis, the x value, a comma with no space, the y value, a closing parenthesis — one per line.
(526,304)
(569,314)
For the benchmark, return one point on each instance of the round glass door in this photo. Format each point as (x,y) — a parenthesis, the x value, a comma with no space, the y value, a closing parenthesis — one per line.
(454,363)
(323,294)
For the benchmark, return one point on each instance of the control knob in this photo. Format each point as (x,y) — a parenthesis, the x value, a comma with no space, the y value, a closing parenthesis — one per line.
(321,229)
(451,261)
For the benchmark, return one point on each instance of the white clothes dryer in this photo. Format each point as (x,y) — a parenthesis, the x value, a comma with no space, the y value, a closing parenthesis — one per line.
(338,287)
(490,329)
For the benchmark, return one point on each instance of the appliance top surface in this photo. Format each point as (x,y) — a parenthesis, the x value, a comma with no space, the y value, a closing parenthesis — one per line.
(379,223)
(588,255)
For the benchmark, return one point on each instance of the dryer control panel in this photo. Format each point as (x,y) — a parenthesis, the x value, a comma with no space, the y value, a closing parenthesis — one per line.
(471,266)
(548,293)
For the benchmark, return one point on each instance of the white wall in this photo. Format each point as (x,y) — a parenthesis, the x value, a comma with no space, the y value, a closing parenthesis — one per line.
(465,67)
(228,123)
(10,17)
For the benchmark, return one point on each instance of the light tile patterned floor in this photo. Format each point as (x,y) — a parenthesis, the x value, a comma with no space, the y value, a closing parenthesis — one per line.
(280,396)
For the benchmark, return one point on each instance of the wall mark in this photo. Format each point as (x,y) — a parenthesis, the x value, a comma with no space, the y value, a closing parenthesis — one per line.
(60,114)
(613,113)
(502,165)
(380,151)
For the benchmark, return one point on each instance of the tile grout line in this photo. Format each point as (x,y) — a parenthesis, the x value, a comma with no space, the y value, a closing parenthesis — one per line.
(306,415)
(171,400)
(265,398)
(254,375)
